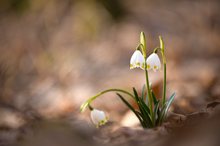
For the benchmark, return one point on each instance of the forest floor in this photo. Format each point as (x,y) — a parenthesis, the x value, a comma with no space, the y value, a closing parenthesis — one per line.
(193,119)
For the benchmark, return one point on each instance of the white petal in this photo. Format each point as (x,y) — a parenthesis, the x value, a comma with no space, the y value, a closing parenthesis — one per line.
(93,117)
(98,117)
(153,62)
(137,60)
(101,116)
(140,60)
(157,62)
(133,60)
(150,62)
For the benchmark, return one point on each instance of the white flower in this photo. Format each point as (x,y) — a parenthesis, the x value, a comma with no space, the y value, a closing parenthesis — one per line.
(153,62)
(137,60)
(98,117)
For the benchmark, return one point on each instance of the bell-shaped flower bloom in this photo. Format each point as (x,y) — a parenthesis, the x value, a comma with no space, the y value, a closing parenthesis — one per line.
(137,60)
(153,62)
(98,117)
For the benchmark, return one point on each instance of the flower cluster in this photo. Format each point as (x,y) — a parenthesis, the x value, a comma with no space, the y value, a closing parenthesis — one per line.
(151,110)
(152,62)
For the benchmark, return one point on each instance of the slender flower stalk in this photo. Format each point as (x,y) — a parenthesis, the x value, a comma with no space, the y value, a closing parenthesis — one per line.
(164,84)
(150,100)
(144,50)
(164,69)
(87,103)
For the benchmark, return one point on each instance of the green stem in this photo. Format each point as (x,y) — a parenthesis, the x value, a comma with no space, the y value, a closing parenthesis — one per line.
(150,101)
(164,65)
(87,103)
(164,79)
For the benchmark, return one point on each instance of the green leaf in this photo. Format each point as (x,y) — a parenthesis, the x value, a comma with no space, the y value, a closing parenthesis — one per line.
(158,117)
(140,101)
(145,111)
(161,114)
(126,103)
(154,98)
(132,109)
(146,101)
(156,108)
(169,102)
(166,108)
(146,116)
(145,106)
(135,94)
(144,123)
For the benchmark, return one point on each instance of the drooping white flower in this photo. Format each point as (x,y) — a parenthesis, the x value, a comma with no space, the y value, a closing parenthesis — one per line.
(137,60)
(98,117)
(153,62)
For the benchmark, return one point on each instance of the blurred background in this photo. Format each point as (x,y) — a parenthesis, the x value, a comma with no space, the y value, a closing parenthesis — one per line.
(56,54)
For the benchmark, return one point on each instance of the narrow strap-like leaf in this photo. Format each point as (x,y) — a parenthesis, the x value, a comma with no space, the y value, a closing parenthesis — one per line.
(169,103)
(154,97)
(144,124)
(135,94)
(146,117)
(158,116)
(145,106)
(146,101)
(145,111)
(132,109)
(161,114)
(156,107)
(165,108)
